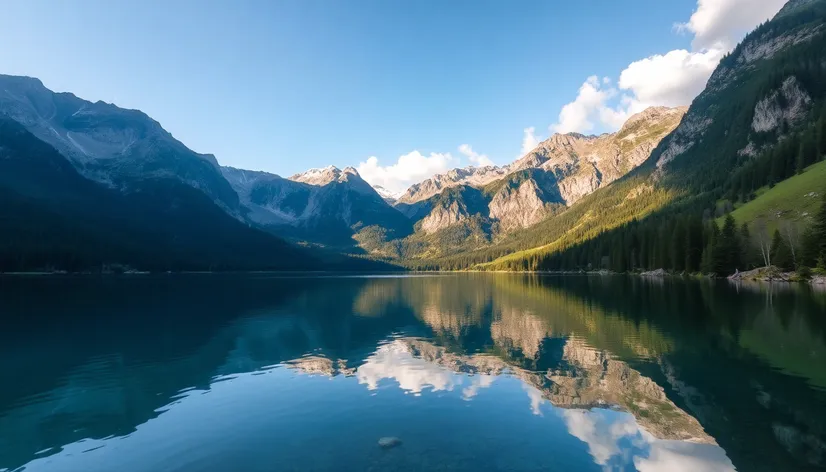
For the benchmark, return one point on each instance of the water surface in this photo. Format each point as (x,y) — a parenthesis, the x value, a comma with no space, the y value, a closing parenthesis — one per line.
(471,372)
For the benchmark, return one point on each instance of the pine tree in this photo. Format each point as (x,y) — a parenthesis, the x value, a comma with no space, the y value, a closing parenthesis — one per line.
(807,153)
(727,250)
(694,244)
(809,248)
(781,255)
(709,259)
(819,227)
(747,252)
(820,134)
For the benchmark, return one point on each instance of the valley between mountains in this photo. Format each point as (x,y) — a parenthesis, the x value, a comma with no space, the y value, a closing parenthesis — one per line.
(87,185)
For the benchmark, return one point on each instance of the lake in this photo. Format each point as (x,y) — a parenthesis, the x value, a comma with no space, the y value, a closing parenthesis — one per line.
(468,372)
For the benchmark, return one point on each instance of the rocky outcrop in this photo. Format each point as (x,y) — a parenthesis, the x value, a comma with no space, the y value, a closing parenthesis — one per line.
(442,217)
(559,171)
(786,106)
(520,207)
(473,176)
(454,206)
(683,138)
(581,164)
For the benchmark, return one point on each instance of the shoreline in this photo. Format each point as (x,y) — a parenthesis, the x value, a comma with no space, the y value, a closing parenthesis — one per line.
(755,275)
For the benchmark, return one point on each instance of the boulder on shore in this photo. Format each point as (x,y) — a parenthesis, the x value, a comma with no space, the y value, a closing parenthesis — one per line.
(766,274)
(655,273)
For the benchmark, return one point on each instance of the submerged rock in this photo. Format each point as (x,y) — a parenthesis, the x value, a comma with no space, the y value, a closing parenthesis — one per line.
(389,442)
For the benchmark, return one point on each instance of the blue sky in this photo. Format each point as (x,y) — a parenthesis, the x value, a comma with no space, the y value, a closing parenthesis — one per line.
(283,86)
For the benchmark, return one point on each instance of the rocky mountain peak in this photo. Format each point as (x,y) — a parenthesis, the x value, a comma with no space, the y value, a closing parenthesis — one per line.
(473,176)
(652,114)
(793,5)
(389,196)
(323,176)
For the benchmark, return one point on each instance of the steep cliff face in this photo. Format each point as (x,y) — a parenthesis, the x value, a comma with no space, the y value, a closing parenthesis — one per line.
(520,207)
(451,207)
(786,106)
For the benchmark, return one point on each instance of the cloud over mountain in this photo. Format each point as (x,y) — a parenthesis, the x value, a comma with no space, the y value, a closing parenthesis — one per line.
(673,78)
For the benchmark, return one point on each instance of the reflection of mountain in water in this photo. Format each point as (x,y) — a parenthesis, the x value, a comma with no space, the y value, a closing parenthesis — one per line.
(589,346)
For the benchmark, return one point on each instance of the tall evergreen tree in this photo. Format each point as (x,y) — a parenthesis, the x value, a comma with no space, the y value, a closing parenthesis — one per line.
(807,153)
(819,227)
(781,255)
(809,248)
(820,134)
(694,244)
(747,251)
(727,248)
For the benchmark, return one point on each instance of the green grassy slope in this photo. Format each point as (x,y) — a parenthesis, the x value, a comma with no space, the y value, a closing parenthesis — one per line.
(794,199)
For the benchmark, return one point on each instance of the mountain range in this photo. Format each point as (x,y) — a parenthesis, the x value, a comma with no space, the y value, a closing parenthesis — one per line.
(91,183)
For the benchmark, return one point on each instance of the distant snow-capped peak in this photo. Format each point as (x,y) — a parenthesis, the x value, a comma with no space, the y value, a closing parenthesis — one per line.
(388,195)
(324,175)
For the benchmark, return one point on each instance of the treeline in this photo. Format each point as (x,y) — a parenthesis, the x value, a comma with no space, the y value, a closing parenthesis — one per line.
(692,244)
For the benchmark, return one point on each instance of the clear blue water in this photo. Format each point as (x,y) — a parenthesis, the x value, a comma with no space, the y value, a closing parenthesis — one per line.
(470,372)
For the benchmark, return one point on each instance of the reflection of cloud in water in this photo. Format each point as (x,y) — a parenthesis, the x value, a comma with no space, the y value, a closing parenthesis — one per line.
(476,383)
(603,431)
(396,361)
(680,456)
(615,440)
(535,396)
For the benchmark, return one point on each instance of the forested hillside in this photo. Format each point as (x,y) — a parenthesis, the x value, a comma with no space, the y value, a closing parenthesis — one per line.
(761,120)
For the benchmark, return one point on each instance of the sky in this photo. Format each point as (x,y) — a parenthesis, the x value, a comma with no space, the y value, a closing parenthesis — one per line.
(399,89)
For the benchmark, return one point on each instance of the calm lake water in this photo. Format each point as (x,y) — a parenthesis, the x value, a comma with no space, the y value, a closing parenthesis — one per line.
(470,372)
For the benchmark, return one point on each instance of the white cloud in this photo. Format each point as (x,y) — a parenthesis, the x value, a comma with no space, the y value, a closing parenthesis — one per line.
(478,160)
(530,140)
(720,24)
(670,79)
(408,169)
(577,116)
